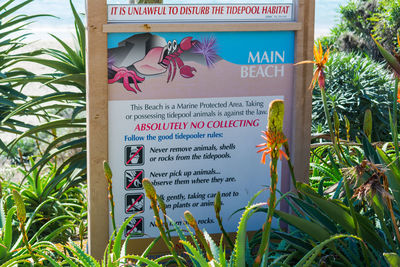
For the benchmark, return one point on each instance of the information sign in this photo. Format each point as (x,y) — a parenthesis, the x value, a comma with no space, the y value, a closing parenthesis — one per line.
(181,97)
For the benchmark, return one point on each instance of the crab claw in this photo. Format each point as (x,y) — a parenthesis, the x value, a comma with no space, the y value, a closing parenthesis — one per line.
(186,43)
(187,71)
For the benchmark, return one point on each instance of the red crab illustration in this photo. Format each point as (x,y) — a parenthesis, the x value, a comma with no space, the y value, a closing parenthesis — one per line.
(157,59)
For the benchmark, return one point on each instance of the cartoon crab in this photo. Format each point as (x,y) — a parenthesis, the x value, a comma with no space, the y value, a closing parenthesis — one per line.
(151,55)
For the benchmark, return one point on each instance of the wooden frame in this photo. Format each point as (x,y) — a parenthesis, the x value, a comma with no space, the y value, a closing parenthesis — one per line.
(216,27)
(97,100)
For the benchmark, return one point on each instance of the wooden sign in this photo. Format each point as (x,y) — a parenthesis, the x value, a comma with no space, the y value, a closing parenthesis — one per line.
(184,105)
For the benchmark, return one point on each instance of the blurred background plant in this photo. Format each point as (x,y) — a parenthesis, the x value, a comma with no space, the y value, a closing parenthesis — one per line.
(49,151)
(13,33)
(356,73)
(63,123)
(355,83)
(361,18)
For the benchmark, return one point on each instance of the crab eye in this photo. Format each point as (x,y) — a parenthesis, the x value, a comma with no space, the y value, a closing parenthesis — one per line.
(174,45)
(169,46)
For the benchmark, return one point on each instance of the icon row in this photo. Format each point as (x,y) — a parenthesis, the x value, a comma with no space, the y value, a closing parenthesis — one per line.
(135,227)
(133,179)
(134,155)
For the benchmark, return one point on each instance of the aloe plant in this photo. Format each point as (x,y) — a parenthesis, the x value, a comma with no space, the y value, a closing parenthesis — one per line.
(64,209)
(370,216)
(72,255)
(62,132)
(315,226)
(209,253)
(15,245)
(13,33)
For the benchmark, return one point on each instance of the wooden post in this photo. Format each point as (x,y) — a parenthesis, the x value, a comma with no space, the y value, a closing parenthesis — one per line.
(303,105)
(97,126)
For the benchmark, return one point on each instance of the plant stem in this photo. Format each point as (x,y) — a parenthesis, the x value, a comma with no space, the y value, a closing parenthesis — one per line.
(271,203)
(353,214)
(289,161)
(203,241)
(396,228)
(224,232)
(394,130)
(328,119)
(26,243)
(159,224)
(390,207)
(112,204)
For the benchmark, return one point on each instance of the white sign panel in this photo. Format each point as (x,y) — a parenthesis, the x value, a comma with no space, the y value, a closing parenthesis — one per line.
(187,160)
(200,13)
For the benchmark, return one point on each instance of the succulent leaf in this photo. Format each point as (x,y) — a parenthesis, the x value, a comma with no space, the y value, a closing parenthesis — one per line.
(390,59)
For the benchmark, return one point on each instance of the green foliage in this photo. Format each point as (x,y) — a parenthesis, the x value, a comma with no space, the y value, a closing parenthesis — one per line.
(319,219)
(387,23)
(393,259)
(65,207)
(54,204)
(325,169)
(357,24)
(354,84)
(63,124)
(12,247)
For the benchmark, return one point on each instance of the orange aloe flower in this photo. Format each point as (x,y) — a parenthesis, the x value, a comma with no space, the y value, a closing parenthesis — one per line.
(398,59)
(274,142)
(398,95)
(320,59)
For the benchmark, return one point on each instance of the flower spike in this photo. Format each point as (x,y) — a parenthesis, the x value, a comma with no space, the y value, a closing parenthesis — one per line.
(273,136)
(320,60)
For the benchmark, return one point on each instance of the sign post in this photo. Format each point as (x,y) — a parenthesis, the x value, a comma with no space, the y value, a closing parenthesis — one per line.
(183,104)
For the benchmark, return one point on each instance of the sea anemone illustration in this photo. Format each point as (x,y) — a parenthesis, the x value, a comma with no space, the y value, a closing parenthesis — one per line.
(207,46)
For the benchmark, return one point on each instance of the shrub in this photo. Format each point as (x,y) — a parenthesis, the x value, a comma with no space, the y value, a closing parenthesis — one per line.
(355,83)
